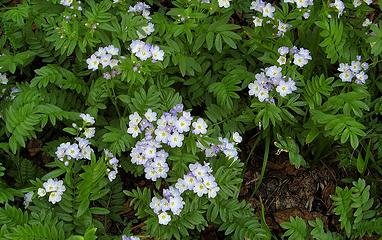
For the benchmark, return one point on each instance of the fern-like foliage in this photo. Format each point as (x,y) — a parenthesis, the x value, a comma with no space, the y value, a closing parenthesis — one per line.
(90,186)
(296,229)
(12,216)
(118,141)
(340,126)
(225,91)
(353,206)
(28,114)
(334,38)
(59,76)
(141,199)
(318,231)
(316,89)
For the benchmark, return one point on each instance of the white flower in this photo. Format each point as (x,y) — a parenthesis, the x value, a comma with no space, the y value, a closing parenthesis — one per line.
(213,192)
(175,140)
(134,118)
(3,78)
(157,53)
(366,23)
(50,185)
(236,137)
(61,150)
(182,125)
(101,51)
(339,5)
(149,28)
(283,88)
(274,72)
(283,50)
(93,62)
(105,60)
(281,60)
(27,198)
(89,132)
(357,3)
(41,192)
(161,135)
(346,76)
(164,218)
(263,94)
(361,77)
(54,197)
(257,21)
(67,3)
(190,181)
(268,10)
(200,126)
(155,205)
(254,88)
(134,130)
(136,46)
(150,115)
(112,175)
(300,60)
(200,189)
(87,118)
(112,50)
(72,151)
(224,3)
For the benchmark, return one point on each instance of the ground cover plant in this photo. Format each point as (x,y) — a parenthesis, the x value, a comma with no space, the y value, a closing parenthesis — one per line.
(190,119)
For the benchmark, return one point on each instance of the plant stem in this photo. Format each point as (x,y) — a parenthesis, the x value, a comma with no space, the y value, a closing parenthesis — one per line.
(265,161)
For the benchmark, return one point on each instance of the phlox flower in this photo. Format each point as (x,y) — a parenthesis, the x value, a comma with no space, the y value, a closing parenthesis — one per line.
(200,126)
(93,62)
(176,140)
(224,3)
(164,218)
(3,78)
(89,120)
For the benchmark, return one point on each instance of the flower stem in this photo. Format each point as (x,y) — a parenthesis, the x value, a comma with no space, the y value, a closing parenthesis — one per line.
(265,161)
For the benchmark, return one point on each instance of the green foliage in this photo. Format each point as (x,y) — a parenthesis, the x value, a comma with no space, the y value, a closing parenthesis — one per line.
(296,228)
(354,207)
(212,52)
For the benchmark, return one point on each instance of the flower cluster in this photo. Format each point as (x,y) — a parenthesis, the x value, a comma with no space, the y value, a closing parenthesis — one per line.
(300,56)
(144,10)
(269,79)
(282,28)
(355,69)
(54,187)
(267,10)
(111,74)
(224,3)
(113,164)
(172,201)
(300,3)
(124,237)
(169,129)
(141,8)
(144,51)
(103,56)
(69,3)
(3,78)
(199,180)
(81,149)
(357,3)
(28,198)
(339,5)
(226,147)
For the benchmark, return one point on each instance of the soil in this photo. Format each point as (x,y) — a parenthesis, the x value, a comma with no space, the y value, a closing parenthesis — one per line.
(287,191)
